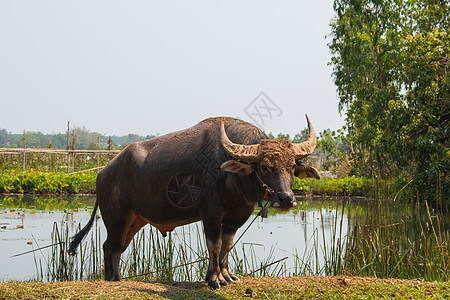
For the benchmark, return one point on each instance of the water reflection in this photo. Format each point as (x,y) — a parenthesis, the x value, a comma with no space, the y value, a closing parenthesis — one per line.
(26,223)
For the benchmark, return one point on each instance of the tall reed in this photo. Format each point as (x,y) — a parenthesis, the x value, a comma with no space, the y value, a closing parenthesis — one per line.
(388,244)
(385,240)
(60,266)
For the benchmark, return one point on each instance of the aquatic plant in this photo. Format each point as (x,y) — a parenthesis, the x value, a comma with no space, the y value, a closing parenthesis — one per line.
(386,240)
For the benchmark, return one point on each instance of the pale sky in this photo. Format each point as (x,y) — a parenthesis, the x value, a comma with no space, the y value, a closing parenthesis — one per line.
(153,67)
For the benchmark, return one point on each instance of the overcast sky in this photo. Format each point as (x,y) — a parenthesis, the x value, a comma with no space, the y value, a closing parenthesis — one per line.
(152,67)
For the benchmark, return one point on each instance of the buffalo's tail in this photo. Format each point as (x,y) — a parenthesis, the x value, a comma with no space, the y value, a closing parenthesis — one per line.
(77,238)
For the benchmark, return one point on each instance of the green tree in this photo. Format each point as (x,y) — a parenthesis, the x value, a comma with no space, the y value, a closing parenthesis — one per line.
(302,136)
(328,143)
(390,65)
(283,136)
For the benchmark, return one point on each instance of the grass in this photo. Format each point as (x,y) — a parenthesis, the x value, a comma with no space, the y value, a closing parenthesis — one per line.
(60,266)
(384,241)
(339,287)
(181,256)
(385,245)
(149,256)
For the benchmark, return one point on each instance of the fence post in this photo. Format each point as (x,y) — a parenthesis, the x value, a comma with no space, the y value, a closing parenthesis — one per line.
(98,154)
(68,146)
(73,148)
(24,140)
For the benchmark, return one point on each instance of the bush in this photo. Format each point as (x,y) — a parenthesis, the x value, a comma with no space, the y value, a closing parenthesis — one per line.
(348,186)
(36,182)
(47,182)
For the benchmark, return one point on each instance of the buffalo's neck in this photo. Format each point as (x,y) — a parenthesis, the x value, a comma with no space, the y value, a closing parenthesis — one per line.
(244,190)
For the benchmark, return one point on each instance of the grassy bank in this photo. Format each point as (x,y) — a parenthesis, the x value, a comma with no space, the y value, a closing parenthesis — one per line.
(261,288)
(37,182)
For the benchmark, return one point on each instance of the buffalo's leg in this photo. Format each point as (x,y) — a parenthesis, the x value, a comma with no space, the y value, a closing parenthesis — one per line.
(214,243)
(228,233)
(120,233)
(112,249)
(112,259)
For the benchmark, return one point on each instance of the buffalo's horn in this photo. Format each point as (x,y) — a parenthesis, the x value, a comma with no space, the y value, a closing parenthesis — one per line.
(307,147)
(246,153)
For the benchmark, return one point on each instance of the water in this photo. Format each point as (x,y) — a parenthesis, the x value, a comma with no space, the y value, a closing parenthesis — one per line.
(26,223)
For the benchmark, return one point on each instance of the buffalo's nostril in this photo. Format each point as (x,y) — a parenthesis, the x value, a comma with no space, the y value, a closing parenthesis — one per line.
(286,198)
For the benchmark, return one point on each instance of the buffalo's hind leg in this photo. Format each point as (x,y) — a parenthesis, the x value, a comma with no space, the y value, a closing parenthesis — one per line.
(228,233)
(113,247)
(120,234)
(112,252)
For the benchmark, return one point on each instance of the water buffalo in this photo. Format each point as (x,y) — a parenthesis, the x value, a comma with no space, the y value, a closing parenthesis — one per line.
(215,172)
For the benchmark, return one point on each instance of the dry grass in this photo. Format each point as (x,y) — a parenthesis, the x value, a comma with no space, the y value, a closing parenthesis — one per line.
(100,290)
(339,287)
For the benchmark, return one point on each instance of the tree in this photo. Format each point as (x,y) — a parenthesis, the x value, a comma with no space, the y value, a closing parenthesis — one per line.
(390,65)
(302,136)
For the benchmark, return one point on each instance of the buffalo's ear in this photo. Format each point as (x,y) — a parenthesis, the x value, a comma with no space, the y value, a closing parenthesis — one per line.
(303,171)
(237,167)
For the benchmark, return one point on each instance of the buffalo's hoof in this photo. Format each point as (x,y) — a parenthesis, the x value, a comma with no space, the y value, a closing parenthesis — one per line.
(224,283)
(232,279)
(214,284)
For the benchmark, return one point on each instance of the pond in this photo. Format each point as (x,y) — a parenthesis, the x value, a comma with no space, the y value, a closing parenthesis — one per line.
(308,240)
(27,223)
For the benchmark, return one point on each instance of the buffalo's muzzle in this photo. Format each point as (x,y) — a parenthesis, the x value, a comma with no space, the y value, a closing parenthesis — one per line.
(284,200)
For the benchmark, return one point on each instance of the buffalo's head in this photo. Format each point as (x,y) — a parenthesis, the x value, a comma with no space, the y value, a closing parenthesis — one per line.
(275,162)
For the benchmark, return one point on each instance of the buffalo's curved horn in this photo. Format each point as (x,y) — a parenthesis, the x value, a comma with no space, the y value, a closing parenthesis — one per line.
(307,147)
(246,153)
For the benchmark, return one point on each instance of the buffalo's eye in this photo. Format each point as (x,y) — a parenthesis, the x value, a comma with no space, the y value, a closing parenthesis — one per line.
(293,167)
(264,168)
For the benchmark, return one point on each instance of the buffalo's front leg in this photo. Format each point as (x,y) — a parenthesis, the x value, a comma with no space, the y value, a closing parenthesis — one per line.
(228,233)
(213,233)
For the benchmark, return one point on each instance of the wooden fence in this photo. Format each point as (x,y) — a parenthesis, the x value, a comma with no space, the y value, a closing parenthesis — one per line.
(70,160)
(69,157)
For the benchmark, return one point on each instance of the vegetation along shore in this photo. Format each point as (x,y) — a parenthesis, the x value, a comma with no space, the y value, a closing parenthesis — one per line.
(336,287)
(37,182)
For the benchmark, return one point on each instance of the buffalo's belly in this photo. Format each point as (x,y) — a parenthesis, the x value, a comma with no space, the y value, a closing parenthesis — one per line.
(169,222)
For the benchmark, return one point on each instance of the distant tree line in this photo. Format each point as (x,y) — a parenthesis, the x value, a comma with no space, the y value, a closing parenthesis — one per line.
(331,152)
(82,138)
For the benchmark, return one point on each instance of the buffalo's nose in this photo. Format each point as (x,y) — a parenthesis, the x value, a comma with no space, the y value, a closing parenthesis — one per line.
(286,199)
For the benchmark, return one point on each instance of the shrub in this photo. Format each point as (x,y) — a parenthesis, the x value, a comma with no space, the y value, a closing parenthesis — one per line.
(348,186)
(37,182)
